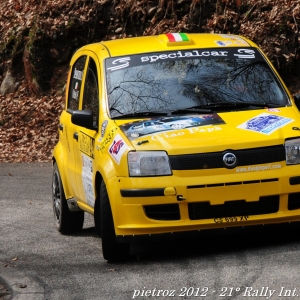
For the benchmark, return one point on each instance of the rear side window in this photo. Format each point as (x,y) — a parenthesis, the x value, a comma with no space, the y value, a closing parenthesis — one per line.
(75,83)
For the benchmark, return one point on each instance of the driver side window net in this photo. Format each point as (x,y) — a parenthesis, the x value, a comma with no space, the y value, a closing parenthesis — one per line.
(90,96)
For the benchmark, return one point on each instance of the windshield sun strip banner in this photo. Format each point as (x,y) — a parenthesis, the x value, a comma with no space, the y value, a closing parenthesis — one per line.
(116,63)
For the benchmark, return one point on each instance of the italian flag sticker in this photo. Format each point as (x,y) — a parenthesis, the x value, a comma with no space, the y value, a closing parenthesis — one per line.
(177,37)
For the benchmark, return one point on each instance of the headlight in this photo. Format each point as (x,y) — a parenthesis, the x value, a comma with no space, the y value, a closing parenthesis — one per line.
(292,151)
(148,163)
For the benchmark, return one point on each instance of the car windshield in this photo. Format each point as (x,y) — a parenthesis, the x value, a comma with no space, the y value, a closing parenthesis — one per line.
(172,81)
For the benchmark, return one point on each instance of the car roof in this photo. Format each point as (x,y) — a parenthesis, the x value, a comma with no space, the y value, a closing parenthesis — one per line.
(163,42)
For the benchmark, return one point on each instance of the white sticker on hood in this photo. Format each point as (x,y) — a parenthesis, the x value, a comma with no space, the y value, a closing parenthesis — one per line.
(265,123)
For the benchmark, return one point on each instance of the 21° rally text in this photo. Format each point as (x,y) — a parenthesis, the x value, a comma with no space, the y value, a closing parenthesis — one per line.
(247,291)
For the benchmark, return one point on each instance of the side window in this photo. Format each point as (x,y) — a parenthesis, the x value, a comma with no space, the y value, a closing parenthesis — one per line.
(91,92)
(75,83)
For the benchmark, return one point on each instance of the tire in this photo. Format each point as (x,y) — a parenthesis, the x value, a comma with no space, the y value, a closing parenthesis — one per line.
(66,221)
(111,249)
(97,217)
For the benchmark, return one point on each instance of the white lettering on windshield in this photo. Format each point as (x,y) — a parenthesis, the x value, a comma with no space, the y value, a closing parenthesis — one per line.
(120,63)
(180,54)
(245,53)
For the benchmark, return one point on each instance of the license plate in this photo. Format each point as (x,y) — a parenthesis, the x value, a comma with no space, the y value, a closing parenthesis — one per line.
(231,219)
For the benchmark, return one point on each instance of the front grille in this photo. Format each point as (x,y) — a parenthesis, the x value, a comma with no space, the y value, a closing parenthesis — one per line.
(214,160)
(203,210)
(294,201)
(162,212)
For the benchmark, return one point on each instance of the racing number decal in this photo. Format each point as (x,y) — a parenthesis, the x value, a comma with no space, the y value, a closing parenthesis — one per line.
(86,144)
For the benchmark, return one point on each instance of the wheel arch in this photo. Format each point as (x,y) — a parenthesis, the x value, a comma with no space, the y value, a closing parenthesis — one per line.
(58,158)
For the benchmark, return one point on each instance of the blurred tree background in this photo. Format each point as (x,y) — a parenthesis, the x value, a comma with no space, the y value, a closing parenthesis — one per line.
(38,38)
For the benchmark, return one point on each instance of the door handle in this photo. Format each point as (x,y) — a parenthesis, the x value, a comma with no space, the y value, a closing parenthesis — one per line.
(75,136)
(61,127)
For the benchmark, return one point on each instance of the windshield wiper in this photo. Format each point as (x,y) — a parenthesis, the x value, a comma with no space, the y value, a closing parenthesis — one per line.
(142,114)
(193,109)
(236,104)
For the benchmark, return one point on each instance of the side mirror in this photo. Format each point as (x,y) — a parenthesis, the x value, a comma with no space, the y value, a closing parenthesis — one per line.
(83,118)
(297,100)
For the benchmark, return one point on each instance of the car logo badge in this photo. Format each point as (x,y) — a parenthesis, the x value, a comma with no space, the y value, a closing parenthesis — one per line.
(229,160)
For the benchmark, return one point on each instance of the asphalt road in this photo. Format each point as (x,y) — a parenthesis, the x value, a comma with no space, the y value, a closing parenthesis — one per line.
(36,262)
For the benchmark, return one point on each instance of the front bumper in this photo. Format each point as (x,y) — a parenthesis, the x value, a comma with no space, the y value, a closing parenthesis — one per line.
(193,201)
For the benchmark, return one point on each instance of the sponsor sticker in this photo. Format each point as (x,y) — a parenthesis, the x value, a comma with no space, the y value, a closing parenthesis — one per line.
(164,124)
(75,94)
(120,63)
(77,74)
(114,64)
(258,168)
(107,138)
(265,123)
(117,148)
(103,129)
(86,144)
(184,54)
(168,135)
(235,39)
(223,43)
(87,179)
(245,53)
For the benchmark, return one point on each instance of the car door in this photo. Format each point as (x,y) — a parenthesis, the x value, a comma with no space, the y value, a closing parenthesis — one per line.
(66,127)
(84,147)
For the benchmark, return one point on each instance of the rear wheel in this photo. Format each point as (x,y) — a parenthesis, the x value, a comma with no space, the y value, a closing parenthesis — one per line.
(65,220)
(112,250)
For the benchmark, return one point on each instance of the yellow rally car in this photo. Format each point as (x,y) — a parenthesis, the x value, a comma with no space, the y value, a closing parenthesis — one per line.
(175,134)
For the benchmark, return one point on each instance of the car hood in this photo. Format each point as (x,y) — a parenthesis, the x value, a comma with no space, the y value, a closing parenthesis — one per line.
(213,132)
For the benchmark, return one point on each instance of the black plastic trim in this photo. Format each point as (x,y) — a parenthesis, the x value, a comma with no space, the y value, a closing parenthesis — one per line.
(295,180)
(231,183)
(204,210)
(214,160)
(294,201)
(143,192)
(163,212)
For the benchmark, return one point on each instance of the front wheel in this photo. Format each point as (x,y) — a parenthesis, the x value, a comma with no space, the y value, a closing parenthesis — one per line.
(66,221)
(111,249)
